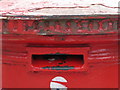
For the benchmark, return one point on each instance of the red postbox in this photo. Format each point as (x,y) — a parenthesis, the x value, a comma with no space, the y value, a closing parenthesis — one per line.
(60,51)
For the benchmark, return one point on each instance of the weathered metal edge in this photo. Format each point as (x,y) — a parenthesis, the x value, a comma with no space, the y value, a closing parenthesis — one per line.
(32,17)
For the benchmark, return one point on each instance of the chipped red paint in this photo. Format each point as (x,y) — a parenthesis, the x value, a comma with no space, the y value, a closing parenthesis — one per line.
(61,26)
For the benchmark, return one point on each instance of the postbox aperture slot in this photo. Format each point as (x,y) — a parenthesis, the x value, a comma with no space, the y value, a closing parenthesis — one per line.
(58,58)
(57,62)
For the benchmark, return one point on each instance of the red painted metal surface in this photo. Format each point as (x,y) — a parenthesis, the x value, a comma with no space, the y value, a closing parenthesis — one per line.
(102,64)
(86,59)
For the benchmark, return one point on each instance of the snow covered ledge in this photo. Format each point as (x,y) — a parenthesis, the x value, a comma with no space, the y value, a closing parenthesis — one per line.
(58,7)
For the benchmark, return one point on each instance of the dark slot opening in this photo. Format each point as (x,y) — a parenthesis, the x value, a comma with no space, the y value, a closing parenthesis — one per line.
(60,62)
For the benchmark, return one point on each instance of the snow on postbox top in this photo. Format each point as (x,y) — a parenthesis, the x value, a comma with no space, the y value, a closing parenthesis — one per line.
(58,7)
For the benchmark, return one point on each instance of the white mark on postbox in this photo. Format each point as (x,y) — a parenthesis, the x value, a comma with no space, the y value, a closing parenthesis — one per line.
(57,83)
